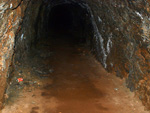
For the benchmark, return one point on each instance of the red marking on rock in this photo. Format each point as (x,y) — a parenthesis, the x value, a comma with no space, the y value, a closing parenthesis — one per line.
(20,79)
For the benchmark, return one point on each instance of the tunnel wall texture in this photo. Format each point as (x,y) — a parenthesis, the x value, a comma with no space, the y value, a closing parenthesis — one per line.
(122,41)
(121,37)
(11,14)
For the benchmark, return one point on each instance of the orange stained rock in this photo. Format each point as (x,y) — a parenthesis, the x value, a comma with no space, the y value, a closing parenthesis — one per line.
(19,11)
(9,24)
(5,49)
(11,34)
(10,20)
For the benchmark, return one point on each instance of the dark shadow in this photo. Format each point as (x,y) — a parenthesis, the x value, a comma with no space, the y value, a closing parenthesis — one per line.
(69,20)
(61,18)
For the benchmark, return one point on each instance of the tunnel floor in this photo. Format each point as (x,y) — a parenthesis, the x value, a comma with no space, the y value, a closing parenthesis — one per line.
(62,76)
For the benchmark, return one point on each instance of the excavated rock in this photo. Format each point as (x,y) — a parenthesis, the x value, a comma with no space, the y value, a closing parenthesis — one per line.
(119,37)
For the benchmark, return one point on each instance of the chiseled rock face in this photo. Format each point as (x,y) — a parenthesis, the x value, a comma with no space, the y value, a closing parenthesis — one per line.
(121,37)
(17,32)
(27,33)
(11,14)
(14,26)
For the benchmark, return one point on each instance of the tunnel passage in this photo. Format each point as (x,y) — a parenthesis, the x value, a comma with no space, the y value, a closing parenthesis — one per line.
(67,26)
(70,19)
(61,18)
(65,23)
(118,32)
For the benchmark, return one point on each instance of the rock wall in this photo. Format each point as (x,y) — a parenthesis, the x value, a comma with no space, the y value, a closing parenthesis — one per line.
(122,41)
(17,35)
(26,37)
(11,14)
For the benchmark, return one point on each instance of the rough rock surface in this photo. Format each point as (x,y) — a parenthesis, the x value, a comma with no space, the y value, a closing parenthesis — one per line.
(121,38)
(11,14)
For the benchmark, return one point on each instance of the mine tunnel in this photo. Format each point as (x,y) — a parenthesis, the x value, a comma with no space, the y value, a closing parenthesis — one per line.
(69,19)
(61,17)
(74,56)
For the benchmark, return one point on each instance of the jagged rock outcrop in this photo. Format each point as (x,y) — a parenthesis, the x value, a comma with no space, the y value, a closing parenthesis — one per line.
(123,40)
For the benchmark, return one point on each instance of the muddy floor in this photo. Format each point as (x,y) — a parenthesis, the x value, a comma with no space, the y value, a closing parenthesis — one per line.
(61,76)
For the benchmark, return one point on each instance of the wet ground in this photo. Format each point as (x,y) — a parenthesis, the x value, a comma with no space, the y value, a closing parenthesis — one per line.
(61,76)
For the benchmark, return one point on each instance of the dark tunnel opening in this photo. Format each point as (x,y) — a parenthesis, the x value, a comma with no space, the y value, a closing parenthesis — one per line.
(70,19)
(60,18)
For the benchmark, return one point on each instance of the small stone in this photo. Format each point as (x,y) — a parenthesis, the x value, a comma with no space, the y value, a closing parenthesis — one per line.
(35,82)
(51,70)
(116,89)
(33,102)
